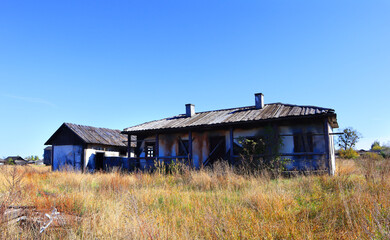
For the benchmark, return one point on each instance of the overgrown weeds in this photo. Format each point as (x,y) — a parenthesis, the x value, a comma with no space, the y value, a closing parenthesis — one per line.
(213,203)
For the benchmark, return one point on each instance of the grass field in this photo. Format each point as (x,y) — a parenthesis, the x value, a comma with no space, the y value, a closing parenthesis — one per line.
(218,204)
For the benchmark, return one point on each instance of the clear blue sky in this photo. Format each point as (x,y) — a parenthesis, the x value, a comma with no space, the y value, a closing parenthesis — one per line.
(119,63)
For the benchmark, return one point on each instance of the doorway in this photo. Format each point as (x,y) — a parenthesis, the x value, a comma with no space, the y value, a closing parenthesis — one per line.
(99,161)
(217,149)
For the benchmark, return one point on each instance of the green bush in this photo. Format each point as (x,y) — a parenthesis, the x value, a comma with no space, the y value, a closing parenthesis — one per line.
(385,152)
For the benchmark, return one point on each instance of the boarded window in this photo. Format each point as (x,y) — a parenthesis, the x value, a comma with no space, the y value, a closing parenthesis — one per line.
(303,143)
(183,147)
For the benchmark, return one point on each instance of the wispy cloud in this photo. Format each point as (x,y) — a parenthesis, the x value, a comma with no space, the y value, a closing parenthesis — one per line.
(30,99)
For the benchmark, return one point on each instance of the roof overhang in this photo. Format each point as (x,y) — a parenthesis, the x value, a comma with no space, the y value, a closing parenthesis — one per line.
(244,124)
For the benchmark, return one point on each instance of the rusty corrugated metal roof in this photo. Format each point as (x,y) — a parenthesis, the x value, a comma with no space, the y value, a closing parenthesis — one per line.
(230,116)
(94,135)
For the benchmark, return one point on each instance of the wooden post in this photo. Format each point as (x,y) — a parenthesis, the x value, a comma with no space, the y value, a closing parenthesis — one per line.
(128,149)
(128,146)
(327,148)
(190,148)
(231,145)
(52,157)
(156,147)
(275,129)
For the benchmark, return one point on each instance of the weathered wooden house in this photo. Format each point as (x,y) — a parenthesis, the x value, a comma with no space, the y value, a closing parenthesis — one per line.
(17,160)
(204,137)
(89,148)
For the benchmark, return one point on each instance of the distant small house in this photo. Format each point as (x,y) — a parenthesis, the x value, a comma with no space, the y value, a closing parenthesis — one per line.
(47,156)
(2,161)
(39,162)
(201,138)
(17,160)
(89,148)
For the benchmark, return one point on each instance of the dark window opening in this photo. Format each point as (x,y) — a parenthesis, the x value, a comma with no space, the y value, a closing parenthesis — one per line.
(303,143)
(183,147)
(97,148)
(99,161)
(122,152)
(237,148)
(217,149)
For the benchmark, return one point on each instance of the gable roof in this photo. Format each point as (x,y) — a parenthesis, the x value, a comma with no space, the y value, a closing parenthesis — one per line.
(14,158)
(233,116)
(94,135)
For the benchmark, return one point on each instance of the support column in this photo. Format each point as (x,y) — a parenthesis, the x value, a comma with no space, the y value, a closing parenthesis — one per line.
(275,129)
(231,136)
(52,157)
(157,147)
(128,146)
(128,149)
(327,148)
(190,149)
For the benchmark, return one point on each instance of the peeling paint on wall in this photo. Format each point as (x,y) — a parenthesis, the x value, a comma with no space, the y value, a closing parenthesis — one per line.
(169,144)
(67,157)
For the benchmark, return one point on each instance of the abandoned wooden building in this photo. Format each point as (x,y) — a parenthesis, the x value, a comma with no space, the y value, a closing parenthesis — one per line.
(15,160)
(204,137)
(88,148)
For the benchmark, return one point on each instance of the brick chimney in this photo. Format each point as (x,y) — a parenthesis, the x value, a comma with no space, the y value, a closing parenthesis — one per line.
(190,110)
(259,99)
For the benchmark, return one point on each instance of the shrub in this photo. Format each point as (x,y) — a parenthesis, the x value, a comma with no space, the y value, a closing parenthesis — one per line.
(375,146)
(372,156)
(261,153)
(385,152)
(348,154)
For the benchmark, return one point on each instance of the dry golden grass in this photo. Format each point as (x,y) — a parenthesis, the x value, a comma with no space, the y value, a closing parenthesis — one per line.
(219,204)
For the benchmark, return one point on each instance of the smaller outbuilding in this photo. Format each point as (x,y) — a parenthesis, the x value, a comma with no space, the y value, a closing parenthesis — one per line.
(86,148)
(17,160)
(2,161)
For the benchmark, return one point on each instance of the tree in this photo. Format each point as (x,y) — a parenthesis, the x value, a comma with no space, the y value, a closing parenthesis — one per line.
(32,158)
(375,146)
(385,151)
(11,161)
(349,138)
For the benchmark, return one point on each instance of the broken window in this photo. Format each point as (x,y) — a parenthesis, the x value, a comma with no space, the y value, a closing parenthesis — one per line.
(183,147)
(303,143)
(95,147)
(150,149)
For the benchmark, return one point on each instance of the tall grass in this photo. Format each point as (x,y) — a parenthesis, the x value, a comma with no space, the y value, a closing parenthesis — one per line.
(206,204)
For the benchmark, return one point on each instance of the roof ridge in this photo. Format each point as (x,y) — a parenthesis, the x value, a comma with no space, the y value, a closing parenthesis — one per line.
(227,109)
(80,125)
